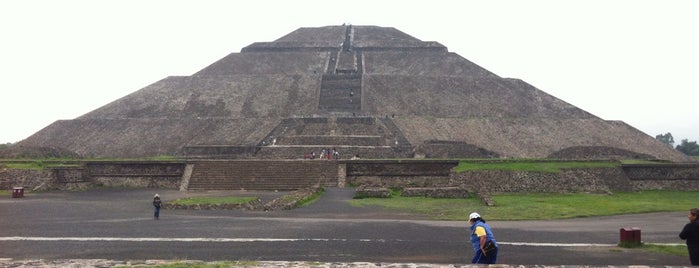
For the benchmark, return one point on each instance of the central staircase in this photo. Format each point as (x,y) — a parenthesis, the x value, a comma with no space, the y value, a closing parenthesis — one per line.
(338,125)
(365,137)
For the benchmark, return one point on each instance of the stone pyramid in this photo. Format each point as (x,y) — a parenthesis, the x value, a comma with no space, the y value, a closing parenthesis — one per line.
(370,91)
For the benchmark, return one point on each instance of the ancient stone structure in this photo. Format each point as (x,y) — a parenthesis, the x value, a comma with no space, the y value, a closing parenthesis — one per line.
(370,91)
(434,178)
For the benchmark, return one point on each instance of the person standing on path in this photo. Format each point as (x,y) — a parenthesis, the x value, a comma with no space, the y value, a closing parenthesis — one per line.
(484,245)
(157,204)
(690,232)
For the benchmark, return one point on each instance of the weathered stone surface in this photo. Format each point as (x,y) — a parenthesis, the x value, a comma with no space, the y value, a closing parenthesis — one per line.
(30,179)
(592,180)
(436,192)
(417,90)
(252,205)
(291,200)
(368,191)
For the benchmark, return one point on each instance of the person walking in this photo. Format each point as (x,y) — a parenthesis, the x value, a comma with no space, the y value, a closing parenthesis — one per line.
(690,232)
(157,204)
(484,245)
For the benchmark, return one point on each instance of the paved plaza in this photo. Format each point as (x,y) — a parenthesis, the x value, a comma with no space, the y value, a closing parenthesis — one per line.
(116,226)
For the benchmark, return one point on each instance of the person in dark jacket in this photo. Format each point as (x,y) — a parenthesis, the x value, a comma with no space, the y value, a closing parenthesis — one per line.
(484,245)
(157,204)
(690,232)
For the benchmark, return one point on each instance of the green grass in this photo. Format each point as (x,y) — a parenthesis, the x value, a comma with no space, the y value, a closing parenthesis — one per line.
(664,249)
(43,163)
(539,206)
(224,264)
(530,165)
(311,198)
(213,200)
(37,165)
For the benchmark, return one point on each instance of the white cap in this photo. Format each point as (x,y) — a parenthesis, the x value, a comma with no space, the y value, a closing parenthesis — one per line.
(156,195)
(473,215)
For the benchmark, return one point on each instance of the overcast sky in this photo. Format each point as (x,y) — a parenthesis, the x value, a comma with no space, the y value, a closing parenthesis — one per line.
(634,61)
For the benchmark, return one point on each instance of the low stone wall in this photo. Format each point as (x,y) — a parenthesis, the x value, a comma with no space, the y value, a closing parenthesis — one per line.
(400,167)
(435,173)
(130,174)
(436,192)
(683,185)
(663,176)
(291,200)
(212,151)
(252,205)
(400,181)
(593,180)
(29,179)
(662,171)
(625,178)
(137,182)
(69,178)
(379,173)
(365,191)
(165,175)
(400,173)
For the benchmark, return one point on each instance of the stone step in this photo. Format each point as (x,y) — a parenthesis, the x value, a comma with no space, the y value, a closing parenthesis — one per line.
(262,175)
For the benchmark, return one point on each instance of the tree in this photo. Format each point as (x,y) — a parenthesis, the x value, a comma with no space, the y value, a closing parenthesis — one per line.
(666,138)
(5,146)
(688,147)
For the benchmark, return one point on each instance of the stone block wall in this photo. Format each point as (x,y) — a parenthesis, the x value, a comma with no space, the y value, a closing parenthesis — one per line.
(401,167)
(110,174)
(400,173)
(378,173)
(436,192)
(137,182)
(136,174)
(593,180)
(663,177)
(29,179)
(399,181)
(212,151)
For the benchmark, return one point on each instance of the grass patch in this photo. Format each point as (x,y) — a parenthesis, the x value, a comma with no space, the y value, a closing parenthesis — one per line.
(311,198)
(37,165)
(213,200)
(539,206)
(43,163)
(665,249)
(530,165)
(224,264)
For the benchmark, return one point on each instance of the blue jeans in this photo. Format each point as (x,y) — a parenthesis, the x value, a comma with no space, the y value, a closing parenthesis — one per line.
(490,259)
(157,212)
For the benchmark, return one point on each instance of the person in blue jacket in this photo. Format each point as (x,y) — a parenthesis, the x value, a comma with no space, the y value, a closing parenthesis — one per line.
(484,245)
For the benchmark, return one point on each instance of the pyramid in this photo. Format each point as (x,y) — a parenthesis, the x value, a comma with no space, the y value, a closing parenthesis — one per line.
(368,91)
